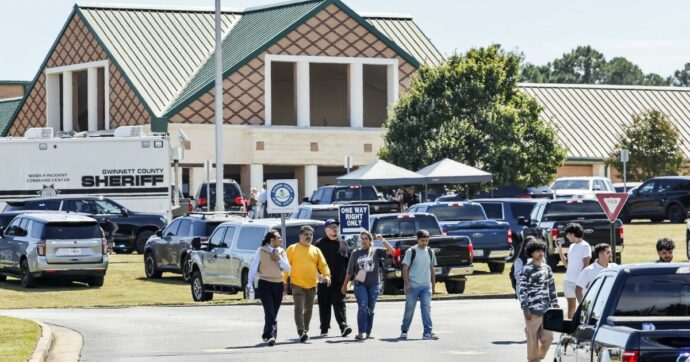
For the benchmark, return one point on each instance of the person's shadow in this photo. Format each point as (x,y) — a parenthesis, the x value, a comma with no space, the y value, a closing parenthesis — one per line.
(506,343)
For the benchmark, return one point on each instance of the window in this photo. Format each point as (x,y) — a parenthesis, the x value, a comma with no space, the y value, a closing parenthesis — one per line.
(14,226)
(600,185)
(63,231)
(184,228)
(570,185)
(465,212)
(217,236)
(665,185)
(493,210)
(355,193)
(579,207)
(324,214)
(202,228)
(36,229)
(647,188)
(588,300)
(521,209)
(682,185)
(33,205)
(229,234)
(250,238)
(284,93)
(292,233)
(375,95)
(171,230)
(107,207)
(603,297)
(666,295)
(407,226)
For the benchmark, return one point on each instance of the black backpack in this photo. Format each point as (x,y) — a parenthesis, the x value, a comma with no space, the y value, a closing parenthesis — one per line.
(511,275)
(414,253)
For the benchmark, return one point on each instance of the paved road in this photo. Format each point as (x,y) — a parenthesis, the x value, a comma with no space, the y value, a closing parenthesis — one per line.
(469,330)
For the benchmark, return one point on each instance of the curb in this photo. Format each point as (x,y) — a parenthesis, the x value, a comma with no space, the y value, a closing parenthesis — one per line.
(44,343)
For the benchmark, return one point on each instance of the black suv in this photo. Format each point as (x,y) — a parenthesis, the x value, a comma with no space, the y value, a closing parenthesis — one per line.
(659,199)
(168,250)
(126,230)
(232,197)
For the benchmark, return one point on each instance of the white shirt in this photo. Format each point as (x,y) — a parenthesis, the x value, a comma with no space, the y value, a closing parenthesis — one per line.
(576,252)
(254,267)
(589,273)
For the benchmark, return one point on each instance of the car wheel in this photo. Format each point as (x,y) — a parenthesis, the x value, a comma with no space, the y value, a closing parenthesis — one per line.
(96,281)
(455,286)
(497,267)
(186,269)
(245,276)
(198,293)
(27,280)
(676,214)
(150,267)
(141,240)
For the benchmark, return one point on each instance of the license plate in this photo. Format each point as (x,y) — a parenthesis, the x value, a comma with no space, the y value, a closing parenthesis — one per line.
(479,253)
(74,251)
(438,270)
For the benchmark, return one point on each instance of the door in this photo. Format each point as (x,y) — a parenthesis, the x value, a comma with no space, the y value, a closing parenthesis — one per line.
(570,346)
(244,248)
(593,351)
(6,245)
(641,204)
(659,199)
(180,242)
(19,244)
(222,254)
(162,248)
(209,259)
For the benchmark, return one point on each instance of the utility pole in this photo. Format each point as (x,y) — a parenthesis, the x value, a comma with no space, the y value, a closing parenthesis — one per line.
(220,205)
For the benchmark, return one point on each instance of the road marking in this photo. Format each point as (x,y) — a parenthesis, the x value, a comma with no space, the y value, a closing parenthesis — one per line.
(465,353)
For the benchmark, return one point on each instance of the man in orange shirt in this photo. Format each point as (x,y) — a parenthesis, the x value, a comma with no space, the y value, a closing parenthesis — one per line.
(306,262)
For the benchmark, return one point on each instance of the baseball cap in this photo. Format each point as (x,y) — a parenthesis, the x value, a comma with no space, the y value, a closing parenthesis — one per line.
(330,222)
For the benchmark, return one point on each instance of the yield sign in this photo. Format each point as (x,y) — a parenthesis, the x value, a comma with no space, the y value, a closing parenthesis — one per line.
(612,203)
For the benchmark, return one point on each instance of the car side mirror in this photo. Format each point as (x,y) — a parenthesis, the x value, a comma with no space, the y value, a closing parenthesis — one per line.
(522,221)
(553,321)
(124,212)
(305,199)
(196,243)
(159,233)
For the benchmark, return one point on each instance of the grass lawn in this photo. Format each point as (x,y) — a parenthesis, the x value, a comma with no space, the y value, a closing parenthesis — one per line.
(18,338)
(126,284)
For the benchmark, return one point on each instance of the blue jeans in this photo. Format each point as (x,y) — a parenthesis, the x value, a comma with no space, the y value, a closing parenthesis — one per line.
(366,301)
(423,294)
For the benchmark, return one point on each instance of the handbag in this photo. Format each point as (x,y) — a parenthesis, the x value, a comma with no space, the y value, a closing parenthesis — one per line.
(362,274)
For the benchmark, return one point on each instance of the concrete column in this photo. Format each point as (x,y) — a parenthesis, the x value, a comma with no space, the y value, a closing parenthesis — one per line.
(92,98)
(311,179)
(302,82)
(393,83)
(67,109)
(299,175)
(53,101)
(256,176)
(356,88)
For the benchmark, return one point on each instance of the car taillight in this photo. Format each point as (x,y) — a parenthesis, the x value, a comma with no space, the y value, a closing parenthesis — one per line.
(630,356)
(41,248)
(239,201)
(202,201)
(470,249)
(620,232)
(554,234)
(510,237)
(396,256)
(526,196)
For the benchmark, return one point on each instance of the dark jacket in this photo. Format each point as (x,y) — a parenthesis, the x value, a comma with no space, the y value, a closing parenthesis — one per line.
(337,253)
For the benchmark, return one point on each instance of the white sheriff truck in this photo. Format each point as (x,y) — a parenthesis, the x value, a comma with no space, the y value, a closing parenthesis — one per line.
(126,166)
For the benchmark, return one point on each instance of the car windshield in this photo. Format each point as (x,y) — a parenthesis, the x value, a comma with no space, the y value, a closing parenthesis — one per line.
(204,229)
(229,192)
(292,233)
(72,231)
(355,193)
(570,185)
(655,296)
(573,207)
(401,226)
(458,212)
(32,205)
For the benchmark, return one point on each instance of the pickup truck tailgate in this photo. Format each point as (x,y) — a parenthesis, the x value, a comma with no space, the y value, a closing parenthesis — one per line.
(449,250)
(485,235)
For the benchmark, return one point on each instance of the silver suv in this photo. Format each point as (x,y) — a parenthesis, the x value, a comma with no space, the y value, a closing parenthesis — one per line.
(222,265)
(64,245)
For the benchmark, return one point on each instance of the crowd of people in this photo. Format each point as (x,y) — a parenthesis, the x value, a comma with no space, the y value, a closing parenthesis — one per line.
(325,268)
(536,288)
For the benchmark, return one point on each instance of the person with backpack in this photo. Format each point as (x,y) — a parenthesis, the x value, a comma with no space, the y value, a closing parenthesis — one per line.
(420,282)
(364,265)
(521,259)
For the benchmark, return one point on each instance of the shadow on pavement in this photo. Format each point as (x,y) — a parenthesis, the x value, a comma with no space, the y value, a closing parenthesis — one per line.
(44,285)
(264,345)
(170,280)
(505,343)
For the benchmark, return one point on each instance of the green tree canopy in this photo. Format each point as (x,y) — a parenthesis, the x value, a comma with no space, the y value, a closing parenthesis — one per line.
(621,71)
(654,145)
(583,65)
(469,109)
(681,77)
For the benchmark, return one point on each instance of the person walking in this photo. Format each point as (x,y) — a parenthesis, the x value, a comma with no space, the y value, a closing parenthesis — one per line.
(520,261)
(665,247)
(364,265)
(306,262)
(263,202)
(253,203)
(420,282)
(269,263)
(579,255)
(537,294)
(336,252)
(603,253)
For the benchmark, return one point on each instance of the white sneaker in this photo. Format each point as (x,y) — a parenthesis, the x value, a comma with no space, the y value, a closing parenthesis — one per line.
(271,341)
(403,335)
(429,336)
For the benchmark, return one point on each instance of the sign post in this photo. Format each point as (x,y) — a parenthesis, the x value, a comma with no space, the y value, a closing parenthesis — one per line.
(353,219)
(282,199)
(207,168)
(625,157)
(612,204)
(348,163)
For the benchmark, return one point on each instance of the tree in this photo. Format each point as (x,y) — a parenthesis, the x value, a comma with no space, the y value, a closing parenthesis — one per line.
(536,74)
(621,71)
(470,109)
(654,79)
(654,145)
(583,65)
(681,78)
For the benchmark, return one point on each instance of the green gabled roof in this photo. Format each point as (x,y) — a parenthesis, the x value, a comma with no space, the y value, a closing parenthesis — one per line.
(256,31)
(7,108)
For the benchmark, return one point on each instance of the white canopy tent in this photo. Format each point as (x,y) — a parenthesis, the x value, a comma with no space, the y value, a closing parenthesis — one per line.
(448,171)
(380,173)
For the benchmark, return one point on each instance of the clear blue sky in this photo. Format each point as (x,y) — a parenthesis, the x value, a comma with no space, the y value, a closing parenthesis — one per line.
(653,34)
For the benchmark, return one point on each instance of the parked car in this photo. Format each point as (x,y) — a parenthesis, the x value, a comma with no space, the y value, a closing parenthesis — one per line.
(582,187)
(353,195)
(492,240)
(548,220)
(233,199)
(630,313)
(453,253)
(316,212)
(55,245)
(126,230)
(531,192)
(659,199)
(169,250)
(687,237)
(509,210)
(451,197)
(627,187)
(222,265)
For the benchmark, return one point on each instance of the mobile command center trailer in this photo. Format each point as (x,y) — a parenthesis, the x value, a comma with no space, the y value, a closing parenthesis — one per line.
(126,166)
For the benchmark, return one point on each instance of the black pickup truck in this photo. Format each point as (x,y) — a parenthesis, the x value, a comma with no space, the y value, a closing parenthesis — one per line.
(453,253)
(631,313)
(548,220)
(353,195)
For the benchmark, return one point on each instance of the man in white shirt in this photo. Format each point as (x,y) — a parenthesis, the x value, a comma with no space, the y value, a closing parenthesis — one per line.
(603,253)
(579,255)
